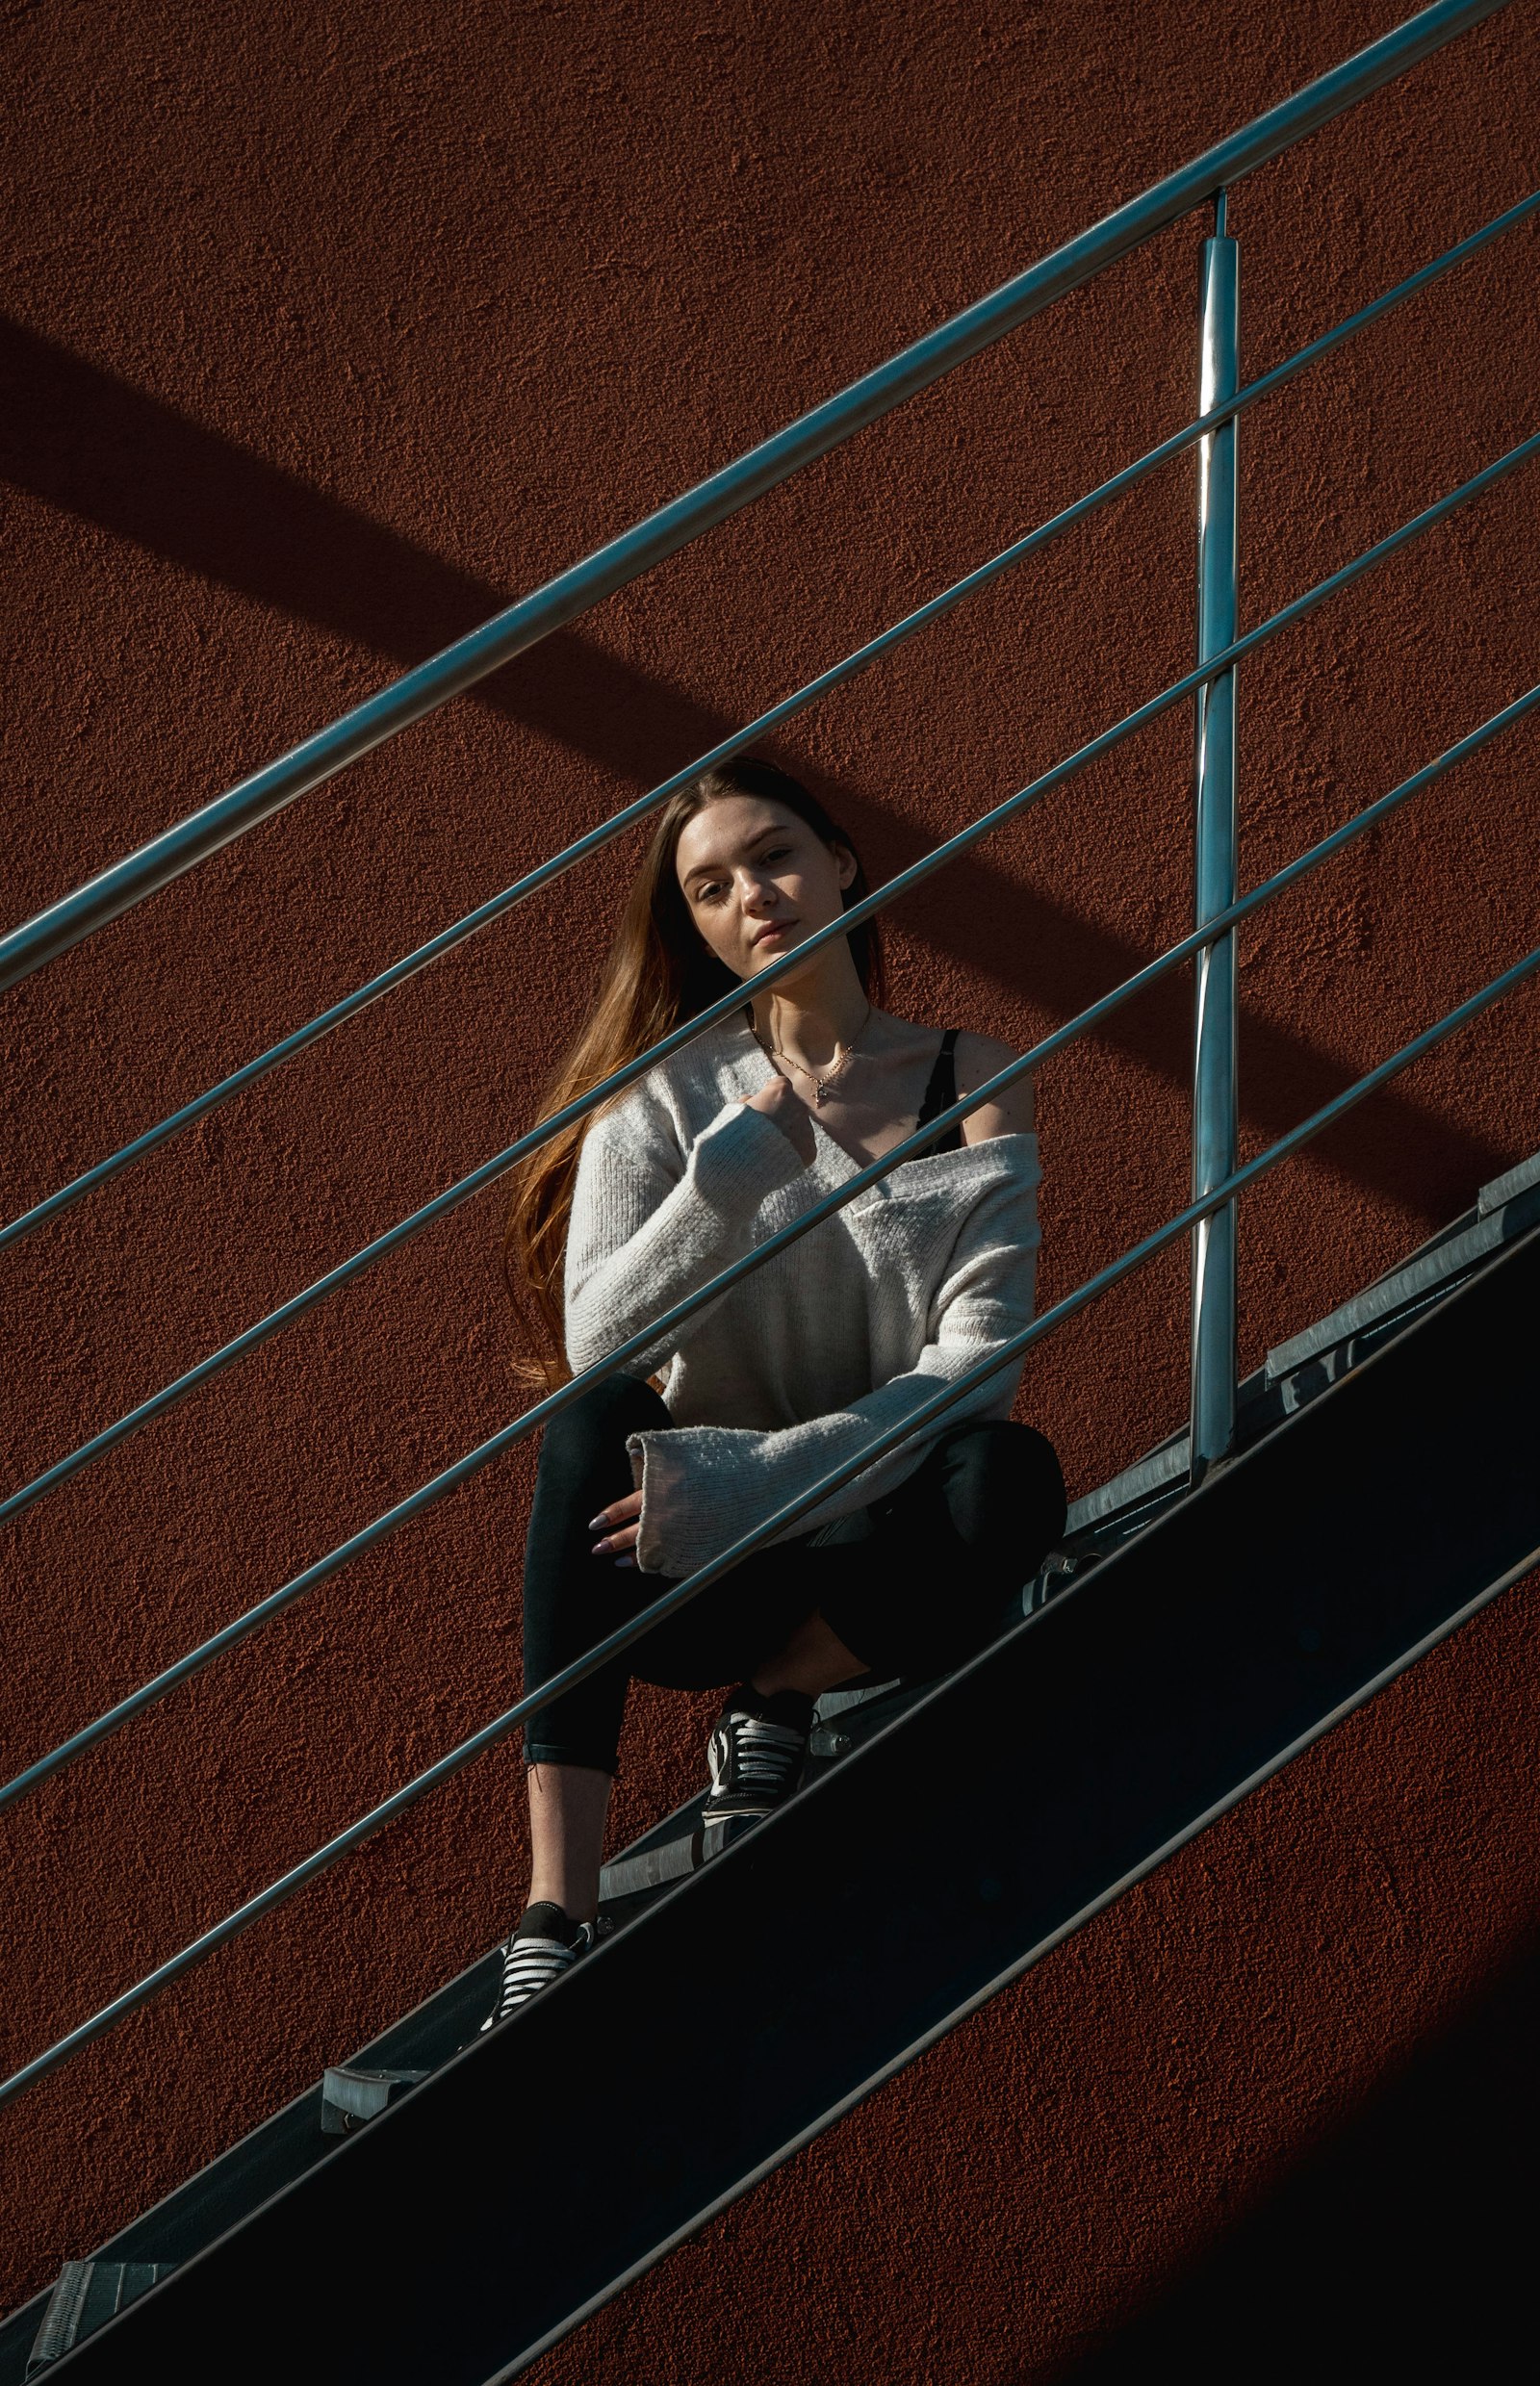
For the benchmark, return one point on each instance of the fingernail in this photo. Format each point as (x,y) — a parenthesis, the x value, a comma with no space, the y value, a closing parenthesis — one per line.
(597,1524)
(625,1561)
(599,1548)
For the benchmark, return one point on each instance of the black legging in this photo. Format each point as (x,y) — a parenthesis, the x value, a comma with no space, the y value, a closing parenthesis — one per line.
(912,1586)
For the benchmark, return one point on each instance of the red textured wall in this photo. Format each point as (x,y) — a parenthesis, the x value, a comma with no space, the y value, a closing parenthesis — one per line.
(327,331)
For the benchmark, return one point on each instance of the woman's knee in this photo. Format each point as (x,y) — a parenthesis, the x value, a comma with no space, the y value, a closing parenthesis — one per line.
(1004,1491)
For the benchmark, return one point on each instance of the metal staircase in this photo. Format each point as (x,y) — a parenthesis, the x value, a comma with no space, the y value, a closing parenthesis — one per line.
(1308,1535)
(1387,1494)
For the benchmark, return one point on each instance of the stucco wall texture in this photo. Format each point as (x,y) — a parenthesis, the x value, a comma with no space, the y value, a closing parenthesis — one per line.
(327,331)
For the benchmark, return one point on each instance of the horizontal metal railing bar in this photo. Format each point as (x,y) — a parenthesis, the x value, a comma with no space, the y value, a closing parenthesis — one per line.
(838,674)
(438,1487)
(617,1643)
(573,592)
(491,1169)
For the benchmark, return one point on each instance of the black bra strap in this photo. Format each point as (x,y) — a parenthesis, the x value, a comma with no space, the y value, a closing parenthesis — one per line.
(941,1093)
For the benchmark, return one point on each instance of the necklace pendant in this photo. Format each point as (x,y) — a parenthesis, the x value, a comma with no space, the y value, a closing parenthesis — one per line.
(822,1091)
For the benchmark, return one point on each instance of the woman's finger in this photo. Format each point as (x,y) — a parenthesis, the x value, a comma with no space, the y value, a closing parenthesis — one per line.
(625,1537)
(619,1512)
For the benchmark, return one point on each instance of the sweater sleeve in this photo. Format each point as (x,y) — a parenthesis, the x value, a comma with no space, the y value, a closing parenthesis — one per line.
(651,1225)
(703,1486)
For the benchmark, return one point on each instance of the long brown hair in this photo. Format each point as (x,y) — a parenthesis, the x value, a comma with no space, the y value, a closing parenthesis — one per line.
(659,972)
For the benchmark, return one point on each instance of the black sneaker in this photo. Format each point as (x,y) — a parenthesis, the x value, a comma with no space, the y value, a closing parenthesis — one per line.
(544,1946)
(757,1752)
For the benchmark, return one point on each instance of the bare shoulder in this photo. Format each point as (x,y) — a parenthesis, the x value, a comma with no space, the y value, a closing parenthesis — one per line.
(979,1058)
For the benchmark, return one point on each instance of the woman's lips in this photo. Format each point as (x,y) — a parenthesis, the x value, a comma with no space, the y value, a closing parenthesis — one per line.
(777,928)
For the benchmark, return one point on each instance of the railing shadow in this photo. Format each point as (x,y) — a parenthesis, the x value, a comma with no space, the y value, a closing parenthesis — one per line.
(83,440)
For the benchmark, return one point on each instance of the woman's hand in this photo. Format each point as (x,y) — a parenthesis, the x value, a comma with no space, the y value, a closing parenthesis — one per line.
(778,1102)
(620,1528)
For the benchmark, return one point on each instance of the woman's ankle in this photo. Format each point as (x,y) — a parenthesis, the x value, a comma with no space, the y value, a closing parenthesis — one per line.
(568,1804)
(814,1660)
(781,1705)
(578,1902)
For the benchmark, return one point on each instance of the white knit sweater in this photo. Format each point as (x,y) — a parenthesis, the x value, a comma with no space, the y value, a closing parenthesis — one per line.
(812,1355)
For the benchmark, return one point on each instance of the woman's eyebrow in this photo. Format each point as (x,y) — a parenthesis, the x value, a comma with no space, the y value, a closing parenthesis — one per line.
(709,869)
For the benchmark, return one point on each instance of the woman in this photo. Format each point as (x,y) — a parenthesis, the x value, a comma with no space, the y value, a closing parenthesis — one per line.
(906,1571)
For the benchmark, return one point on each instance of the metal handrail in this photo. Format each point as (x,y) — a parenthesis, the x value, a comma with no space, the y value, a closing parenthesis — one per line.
(838,674)
(519,628)
(917,872)
(451,1478)
(559,600)
(1006,1356)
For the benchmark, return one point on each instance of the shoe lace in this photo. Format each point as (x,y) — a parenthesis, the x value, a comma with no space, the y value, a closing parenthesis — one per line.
(746,1752)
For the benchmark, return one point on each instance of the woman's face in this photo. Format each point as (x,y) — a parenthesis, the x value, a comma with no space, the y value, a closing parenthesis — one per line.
(757,881)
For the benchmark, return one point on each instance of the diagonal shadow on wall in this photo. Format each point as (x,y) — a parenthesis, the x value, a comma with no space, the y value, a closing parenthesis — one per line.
(85,441)
(1402,2247)
(1034,946)
(90,444)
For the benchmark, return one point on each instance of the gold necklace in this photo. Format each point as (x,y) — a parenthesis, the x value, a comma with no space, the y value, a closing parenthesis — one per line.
(821,1084)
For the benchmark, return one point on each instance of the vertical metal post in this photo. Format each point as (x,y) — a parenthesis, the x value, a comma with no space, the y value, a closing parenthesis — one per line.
(1214,1044)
